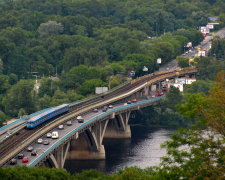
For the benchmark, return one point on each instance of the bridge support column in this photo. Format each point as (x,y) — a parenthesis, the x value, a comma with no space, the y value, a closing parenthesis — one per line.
(118,128)
(58,157)
(89,144)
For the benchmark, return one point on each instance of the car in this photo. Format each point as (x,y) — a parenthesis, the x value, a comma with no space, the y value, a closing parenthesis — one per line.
(25,159)
(80,119)
(30,148)
(13,161)
(49,135)
(69,123)
(61,126)
(34,153)
(159,93)
(20,156)
(153,96)
(95,110)
(104,109)
(46,142)
(164,88)
(110,106)
(128,102)
(134,100)
(40,141)
(125,104)
(55,135)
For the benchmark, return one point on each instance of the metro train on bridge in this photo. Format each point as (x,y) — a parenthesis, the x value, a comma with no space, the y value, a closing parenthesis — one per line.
(45,116)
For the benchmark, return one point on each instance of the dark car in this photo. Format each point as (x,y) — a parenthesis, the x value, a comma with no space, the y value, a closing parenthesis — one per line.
(34,153)
(105,108)
(13,161)
(20,156)
(128,102)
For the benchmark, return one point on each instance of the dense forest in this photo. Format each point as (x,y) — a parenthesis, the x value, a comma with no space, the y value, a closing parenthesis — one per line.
(73,46)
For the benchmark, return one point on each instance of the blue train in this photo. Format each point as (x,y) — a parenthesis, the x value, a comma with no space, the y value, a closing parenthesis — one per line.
(34,121)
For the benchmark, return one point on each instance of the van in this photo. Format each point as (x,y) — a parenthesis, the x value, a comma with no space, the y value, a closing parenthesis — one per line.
(55,135)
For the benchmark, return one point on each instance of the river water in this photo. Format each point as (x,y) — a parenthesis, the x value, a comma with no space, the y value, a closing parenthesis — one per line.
(142,150)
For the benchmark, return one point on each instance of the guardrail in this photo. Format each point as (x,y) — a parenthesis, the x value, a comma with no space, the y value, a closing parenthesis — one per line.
(52,147)
(64,118)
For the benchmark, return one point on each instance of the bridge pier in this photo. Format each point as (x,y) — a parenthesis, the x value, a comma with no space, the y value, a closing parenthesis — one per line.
(58,157)
(89,144)
(118,127)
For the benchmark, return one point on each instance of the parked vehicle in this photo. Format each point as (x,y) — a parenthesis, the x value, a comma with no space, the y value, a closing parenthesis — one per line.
(45,116)
(25,160)
(55,135)
(13,161)
(80,119)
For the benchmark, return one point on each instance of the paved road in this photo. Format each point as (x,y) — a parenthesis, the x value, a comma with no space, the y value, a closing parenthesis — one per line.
(205,44)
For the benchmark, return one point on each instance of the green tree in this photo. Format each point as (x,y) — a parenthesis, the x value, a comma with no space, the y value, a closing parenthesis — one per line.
(182,61)
(19,96)
(2,118)
(50,28)
(88,87)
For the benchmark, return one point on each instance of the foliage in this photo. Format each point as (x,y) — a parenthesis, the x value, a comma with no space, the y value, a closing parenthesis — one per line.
(182,61)
(50,28)
(194,154)
(27,173)
(19,96)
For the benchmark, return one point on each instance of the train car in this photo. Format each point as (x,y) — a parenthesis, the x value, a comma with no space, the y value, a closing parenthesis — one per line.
(45,116)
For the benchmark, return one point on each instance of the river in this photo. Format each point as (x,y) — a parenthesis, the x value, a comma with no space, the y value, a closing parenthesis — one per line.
(142,150)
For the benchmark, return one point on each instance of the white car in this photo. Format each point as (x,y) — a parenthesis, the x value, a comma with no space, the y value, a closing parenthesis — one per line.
(61,126)
(49,135)
(40,141)
(55,135)
(80,119)
(110,106)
